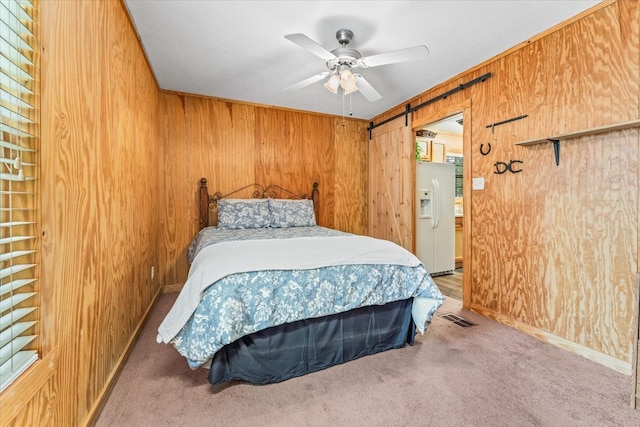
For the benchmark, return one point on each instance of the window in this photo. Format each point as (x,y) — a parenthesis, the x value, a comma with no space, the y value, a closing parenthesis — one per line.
(18,221)
(457,161)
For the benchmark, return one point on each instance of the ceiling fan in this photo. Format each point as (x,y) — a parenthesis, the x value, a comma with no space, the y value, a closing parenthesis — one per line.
(343,60)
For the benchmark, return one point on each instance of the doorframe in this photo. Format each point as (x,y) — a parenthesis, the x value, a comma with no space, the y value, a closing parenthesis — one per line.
(417,122)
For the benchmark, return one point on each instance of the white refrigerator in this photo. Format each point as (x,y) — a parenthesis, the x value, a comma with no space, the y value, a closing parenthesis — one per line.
(435,217)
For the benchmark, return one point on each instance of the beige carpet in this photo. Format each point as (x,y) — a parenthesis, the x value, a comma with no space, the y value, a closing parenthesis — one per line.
(485,375)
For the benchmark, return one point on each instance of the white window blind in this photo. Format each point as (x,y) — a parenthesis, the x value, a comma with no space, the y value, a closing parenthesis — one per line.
(18,142)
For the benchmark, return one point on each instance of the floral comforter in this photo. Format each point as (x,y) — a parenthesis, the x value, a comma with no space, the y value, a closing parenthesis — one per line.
(238,284)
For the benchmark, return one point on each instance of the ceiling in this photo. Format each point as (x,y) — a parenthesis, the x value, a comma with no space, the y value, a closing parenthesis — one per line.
(451,125)
(237,50)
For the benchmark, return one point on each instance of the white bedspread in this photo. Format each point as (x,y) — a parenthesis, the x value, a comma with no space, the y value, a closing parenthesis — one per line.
(222,259)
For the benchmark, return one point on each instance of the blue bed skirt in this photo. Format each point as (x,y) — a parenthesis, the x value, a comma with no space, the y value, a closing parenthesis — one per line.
(294,349)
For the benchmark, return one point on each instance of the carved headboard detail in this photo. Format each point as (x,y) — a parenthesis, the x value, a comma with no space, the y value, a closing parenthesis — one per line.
(209,202)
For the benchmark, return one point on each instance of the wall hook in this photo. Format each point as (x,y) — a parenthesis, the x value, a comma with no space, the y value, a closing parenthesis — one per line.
(511,168)
(484,153)
(502,167)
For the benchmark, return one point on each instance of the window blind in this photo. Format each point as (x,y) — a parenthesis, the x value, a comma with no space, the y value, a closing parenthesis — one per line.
(18,140)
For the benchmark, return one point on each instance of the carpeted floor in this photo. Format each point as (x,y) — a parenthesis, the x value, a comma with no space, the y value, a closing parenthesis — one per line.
(485,375)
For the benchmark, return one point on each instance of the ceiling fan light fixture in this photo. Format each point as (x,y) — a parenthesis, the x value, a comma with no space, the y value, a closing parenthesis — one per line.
(341,63)
(348,81)
(351,89)
(332,84)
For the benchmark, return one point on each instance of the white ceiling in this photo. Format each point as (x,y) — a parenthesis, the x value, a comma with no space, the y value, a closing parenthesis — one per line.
(449,125)
(236,49)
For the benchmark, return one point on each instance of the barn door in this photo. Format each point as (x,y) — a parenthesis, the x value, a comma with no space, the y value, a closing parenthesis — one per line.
(391,181)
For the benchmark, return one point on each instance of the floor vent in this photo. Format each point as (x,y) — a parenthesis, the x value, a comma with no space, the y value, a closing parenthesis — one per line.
(463,323)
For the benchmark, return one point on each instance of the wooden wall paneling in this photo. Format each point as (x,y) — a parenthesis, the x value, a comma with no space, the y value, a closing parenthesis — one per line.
(295,150)
(203,138)
(317,145)
(636,396)
(174,187)
(39,410)
(273,142)
(635,371)
(407,190)
(589,266)
(379,214)
(467,202)
(220,147)
(226,144)
(375,194)
(235,144)
(98,130)
(543,251)
(351,169)
(488,242)
(96,107)
(553,187)
(280,147)
(30,392)
(65,172)
(517,297)
(391,183)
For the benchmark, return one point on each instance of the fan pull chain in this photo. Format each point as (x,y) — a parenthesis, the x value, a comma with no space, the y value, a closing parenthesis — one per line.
(343,123)
(350,107)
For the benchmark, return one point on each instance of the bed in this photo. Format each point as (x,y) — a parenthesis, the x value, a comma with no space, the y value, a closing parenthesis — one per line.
(272,295)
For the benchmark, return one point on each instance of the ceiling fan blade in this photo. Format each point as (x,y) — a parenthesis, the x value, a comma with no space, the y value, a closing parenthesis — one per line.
(306,82)
(366,89)
(402,55)
(308,44)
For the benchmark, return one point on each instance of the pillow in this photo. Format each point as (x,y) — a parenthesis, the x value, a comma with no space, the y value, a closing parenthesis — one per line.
(292,213)
(243,213)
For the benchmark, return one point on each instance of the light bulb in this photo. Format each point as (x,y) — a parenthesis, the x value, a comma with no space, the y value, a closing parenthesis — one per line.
(351,89)
(345,74)
(332,84)
(348,81)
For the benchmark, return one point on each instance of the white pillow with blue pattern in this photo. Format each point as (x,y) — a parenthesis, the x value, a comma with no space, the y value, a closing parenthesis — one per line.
(243,213)
(292,213)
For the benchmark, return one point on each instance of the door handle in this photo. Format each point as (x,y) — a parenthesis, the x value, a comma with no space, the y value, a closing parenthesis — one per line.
(436,203)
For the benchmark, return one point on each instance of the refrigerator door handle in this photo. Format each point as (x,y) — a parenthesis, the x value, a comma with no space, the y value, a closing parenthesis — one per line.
(436,203)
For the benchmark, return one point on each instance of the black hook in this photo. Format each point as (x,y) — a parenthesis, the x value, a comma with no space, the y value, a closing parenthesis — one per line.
(510,166)
(488,149)
(502,167)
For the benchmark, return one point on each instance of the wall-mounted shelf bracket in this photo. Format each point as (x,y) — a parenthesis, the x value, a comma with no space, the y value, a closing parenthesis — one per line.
(556,149)
(586,132)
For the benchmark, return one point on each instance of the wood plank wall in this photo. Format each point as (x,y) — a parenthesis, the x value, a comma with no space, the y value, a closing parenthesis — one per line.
(100,204)
(233,144)
(554,249)
(120,164)
(391,189)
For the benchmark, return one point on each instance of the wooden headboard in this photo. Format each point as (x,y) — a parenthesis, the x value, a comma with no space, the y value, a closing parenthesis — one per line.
(209,202)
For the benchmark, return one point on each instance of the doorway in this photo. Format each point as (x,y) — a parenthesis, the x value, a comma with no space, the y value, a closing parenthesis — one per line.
(442,141)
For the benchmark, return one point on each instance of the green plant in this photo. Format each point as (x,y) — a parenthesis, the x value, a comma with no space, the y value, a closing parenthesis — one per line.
(418,152)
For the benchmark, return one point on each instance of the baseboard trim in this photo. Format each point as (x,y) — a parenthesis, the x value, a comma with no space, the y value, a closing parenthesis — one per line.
(98,405)
(176,287)
(579,349)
